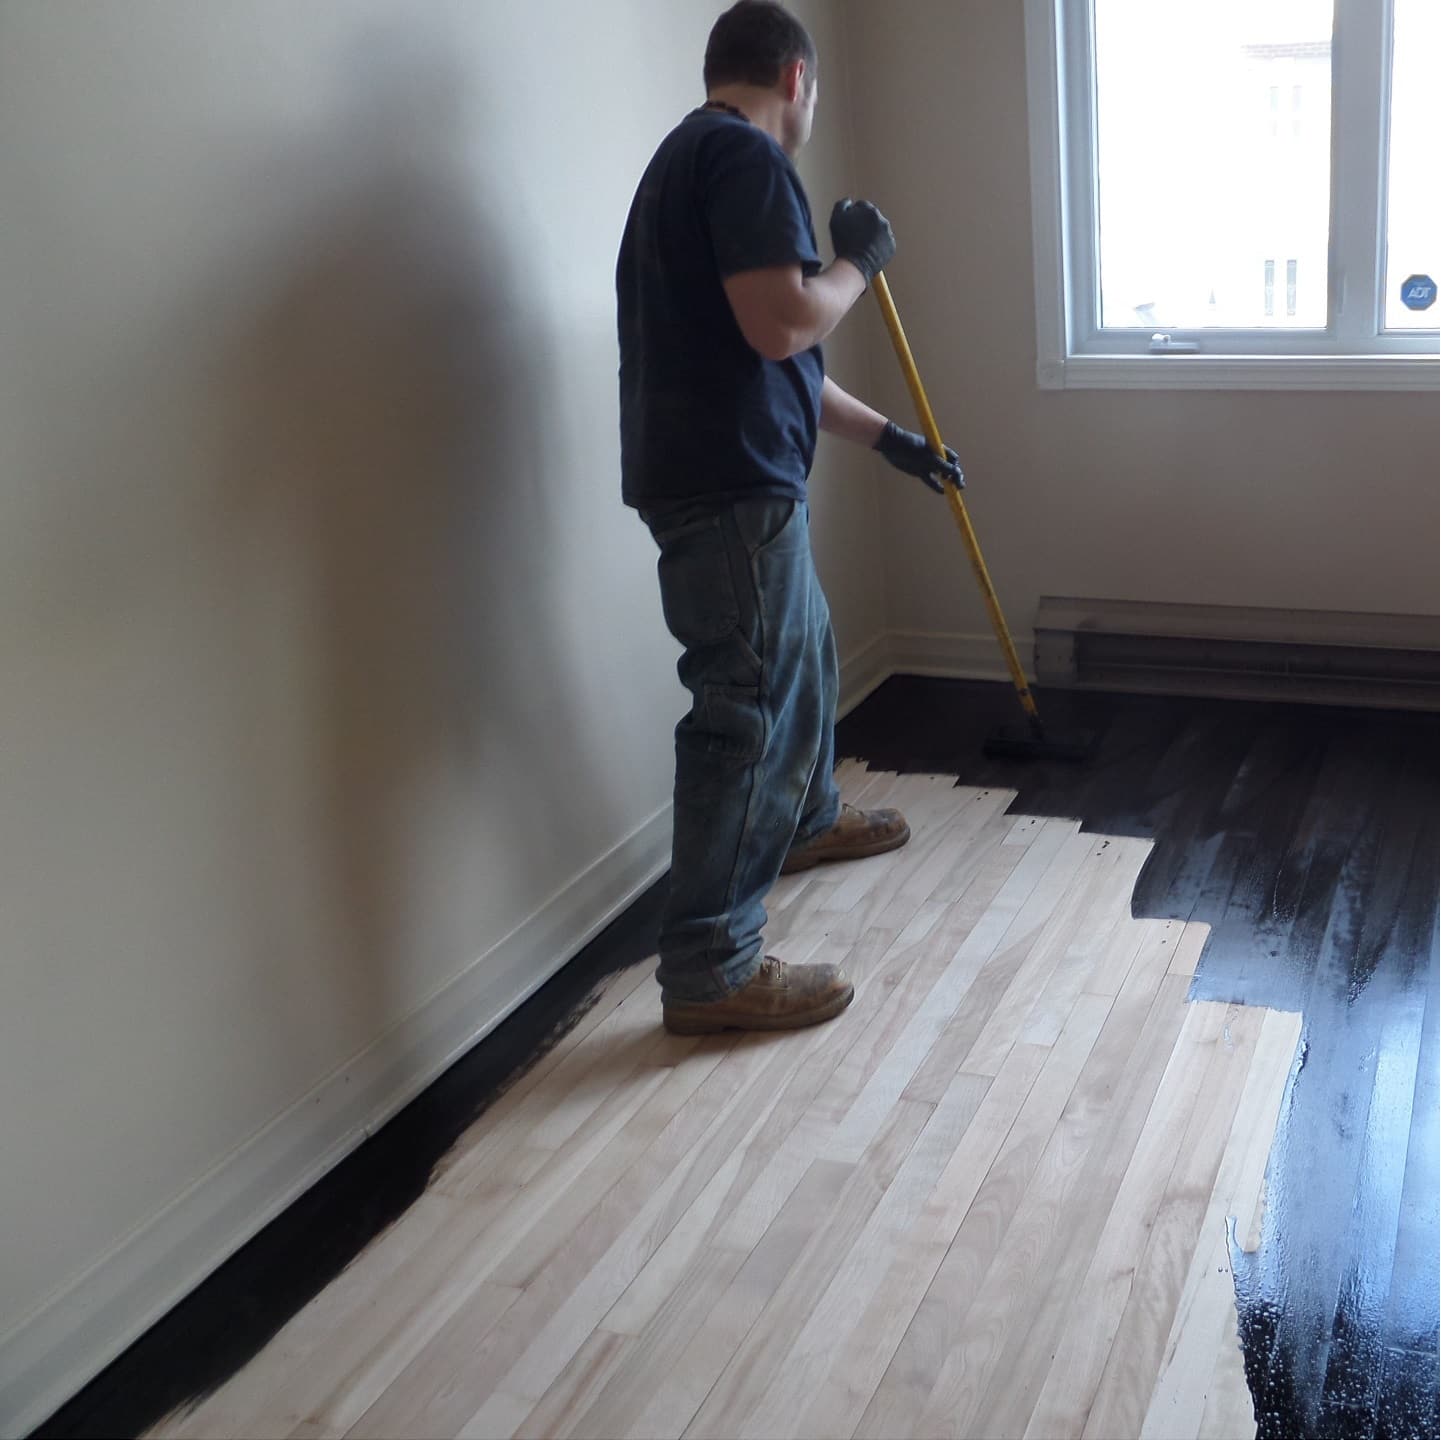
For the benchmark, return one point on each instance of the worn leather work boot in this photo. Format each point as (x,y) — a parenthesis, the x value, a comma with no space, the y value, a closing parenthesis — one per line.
(856,834)
(778,997)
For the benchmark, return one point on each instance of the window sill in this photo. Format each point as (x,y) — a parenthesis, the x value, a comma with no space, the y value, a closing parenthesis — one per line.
(1239,372)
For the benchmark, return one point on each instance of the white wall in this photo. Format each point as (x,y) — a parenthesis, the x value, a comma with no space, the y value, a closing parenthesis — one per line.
(847,486)
(1316,501)
(334,697)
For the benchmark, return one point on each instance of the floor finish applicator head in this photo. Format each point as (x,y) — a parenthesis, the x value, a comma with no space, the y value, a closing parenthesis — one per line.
(1034,742)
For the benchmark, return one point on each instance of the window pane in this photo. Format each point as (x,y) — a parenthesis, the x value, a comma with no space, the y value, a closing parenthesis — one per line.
(1413,216)
(1214,162)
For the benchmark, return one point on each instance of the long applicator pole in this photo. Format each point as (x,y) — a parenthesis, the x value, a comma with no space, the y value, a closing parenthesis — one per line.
(953,495)
(1030,742)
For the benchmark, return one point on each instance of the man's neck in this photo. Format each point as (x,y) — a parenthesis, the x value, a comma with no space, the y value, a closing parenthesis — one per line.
(762,107)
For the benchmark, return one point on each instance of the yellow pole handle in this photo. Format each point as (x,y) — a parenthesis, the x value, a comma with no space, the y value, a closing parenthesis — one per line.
(953,495)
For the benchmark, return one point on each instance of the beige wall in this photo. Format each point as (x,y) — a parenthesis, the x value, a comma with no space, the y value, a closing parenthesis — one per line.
(847,485)
(1317,500)
(334,697)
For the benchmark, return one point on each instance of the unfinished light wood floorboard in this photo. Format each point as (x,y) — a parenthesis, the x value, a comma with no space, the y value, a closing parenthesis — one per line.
(991,1199)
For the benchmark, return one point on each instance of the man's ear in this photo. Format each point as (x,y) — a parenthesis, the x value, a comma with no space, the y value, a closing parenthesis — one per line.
(793,81)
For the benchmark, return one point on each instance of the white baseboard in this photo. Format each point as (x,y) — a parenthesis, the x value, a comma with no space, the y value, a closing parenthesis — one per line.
(48,1357)
(955,656)
(864,671)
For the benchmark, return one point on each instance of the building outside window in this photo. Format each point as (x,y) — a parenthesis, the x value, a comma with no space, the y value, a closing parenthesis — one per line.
(1184,151)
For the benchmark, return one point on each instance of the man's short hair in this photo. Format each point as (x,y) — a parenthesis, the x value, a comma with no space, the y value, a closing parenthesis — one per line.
(753,42)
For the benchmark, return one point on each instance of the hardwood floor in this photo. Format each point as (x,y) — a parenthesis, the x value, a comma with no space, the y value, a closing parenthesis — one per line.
(1295,848)
(991,1199)
(1305,838)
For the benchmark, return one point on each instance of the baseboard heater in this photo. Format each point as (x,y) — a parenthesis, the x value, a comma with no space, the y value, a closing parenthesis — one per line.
(1228,651)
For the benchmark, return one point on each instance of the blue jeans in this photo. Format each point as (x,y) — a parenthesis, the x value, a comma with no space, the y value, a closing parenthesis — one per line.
(755,754)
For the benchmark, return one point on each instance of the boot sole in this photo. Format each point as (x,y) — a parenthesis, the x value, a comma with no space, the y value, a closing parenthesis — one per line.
(692,1024)
(861,852)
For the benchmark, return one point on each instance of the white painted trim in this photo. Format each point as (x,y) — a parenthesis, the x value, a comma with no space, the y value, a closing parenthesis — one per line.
(1360,88)
(1240,372)
(863,672)
(1047,191)
(957,656)
(50,1355)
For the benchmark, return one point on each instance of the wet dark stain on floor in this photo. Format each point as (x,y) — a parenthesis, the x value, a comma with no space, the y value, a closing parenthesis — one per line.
(228,1319)
(1307,839)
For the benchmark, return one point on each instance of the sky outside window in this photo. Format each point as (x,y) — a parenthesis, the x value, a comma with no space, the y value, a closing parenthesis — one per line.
(1214,140)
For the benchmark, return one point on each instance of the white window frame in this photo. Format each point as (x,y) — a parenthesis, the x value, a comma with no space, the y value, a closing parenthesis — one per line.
(1354,352)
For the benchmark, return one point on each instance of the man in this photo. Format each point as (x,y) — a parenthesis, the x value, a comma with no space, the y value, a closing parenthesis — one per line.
(723,303)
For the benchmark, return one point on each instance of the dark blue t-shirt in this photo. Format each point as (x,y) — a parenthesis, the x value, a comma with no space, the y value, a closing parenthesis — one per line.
(702,414)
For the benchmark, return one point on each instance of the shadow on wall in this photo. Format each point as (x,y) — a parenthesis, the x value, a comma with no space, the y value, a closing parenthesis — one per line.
(385,435)
(352,476)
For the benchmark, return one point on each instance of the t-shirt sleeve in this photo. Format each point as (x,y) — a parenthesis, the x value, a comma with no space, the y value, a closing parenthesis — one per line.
(755,209)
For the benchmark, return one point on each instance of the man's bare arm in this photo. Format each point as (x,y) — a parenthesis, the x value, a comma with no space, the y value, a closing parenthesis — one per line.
(782,312)
(842,414)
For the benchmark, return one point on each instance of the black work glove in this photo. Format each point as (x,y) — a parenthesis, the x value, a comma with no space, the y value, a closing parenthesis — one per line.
(912,454)
(862,235)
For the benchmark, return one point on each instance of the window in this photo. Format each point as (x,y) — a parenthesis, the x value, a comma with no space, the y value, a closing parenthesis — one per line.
(1413,202)
(1235,193)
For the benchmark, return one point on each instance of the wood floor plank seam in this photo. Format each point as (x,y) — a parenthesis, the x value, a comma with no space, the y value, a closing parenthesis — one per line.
(728,1402)
(983,1201)
(1057,1216)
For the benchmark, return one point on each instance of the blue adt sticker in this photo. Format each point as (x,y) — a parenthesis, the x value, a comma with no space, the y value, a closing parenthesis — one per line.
(1418,292)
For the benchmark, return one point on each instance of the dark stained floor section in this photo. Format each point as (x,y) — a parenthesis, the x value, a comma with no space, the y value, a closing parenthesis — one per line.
(1307,839)
(228,1319)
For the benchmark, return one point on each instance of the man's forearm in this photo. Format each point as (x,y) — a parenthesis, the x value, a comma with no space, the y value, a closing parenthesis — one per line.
(827,297)
(842,414)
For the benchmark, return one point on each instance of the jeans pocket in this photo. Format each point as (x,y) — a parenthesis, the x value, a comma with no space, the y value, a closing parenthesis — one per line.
(697,592)
(770,524)
(734,722)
